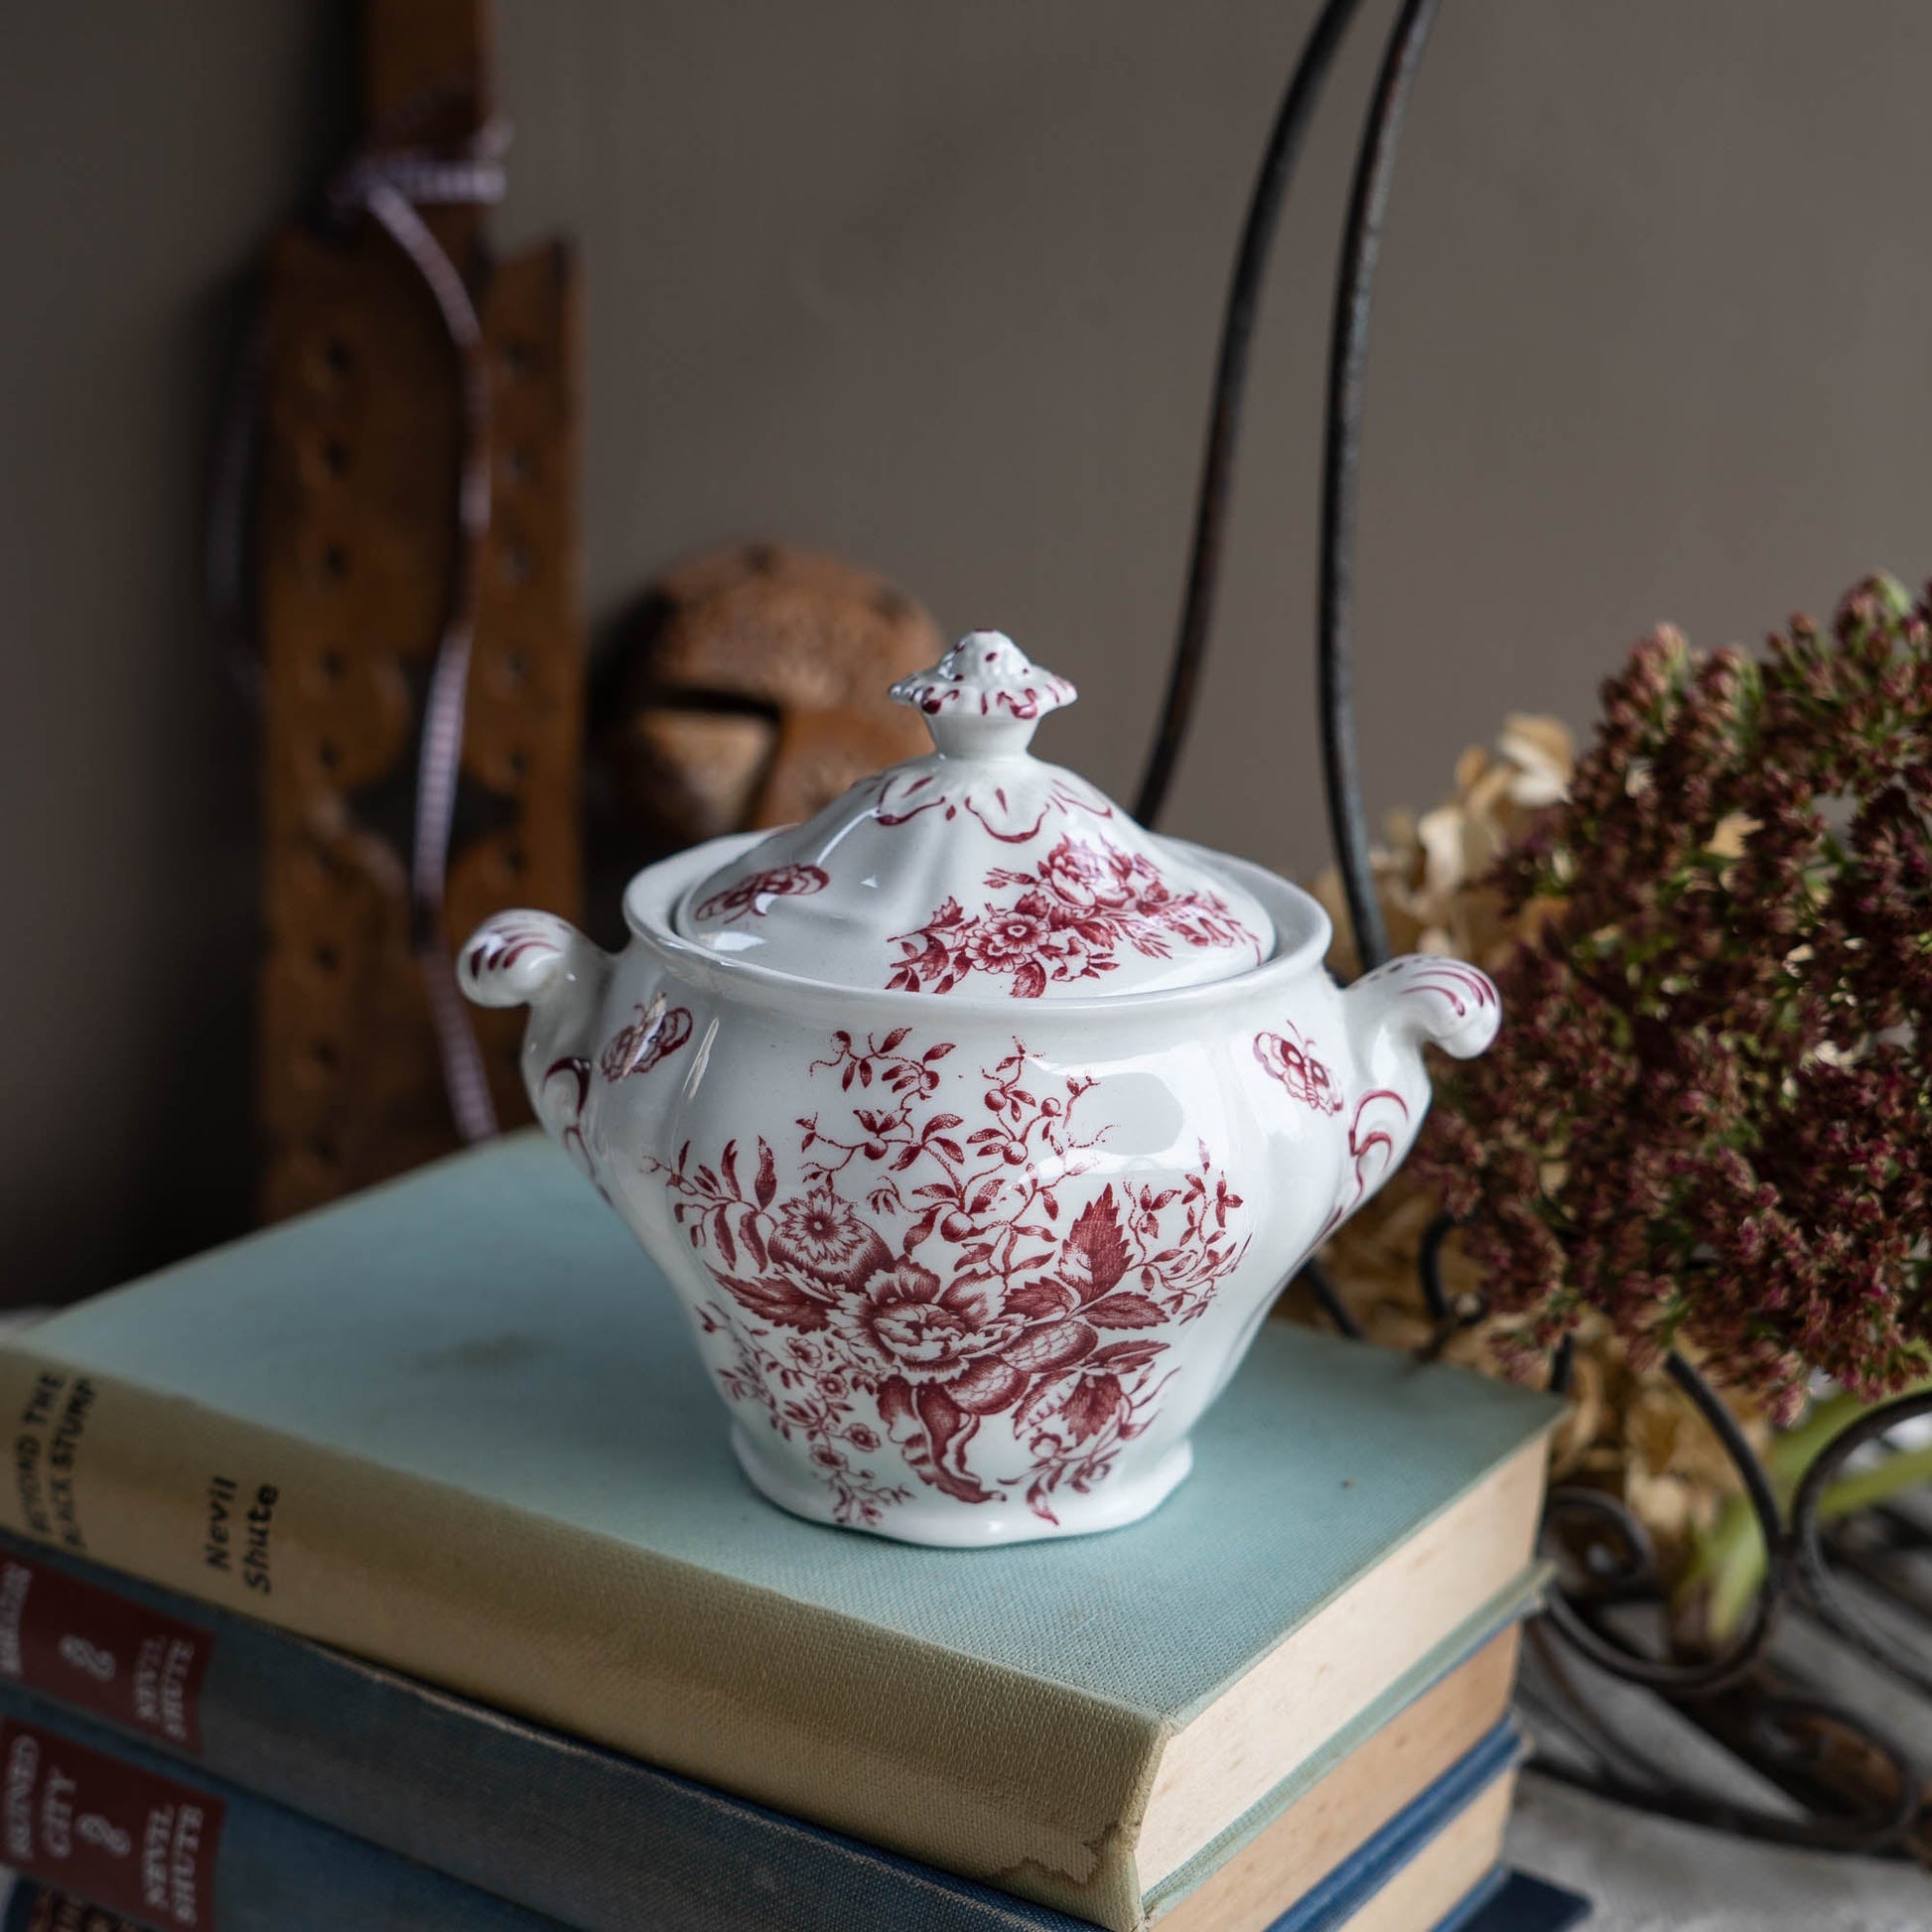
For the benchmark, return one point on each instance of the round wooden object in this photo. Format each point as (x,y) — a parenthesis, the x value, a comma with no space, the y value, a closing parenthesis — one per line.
(747,690)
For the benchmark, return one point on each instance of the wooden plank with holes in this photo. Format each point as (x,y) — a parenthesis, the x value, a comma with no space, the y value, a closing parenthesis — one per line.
(355,537)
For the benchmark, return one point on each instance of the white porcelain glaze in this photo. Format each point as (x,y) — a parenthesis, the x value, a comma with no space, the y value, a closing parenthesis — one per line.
(968,1265)
(979,867)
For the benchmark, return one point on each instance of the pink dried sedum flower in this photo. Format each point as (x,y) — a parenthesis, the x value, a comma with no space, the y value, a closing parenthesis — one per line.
(1709,1112)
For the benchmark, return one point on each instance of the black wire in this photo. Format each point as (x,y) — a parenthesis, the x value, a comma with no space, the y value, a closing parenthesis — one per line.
(1329,1299)
(1347,353)
(1230,378)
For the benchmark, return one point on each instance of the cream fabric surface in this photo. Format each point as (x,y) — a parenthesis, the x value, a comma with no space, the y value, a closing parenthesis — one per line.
(1648,1874)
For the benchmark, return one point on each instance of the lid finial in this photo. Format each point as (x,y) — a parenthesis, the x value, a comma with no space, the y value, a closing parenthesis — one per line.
(979,870)
(983,697)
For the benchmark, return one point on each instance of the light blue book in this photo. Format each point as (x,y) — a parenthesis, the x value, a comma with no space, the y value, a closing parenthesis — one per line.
(455,1427)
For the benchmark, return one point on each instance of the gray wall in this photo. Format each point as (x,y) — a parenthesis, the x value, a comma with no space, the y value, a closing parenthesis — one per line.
(937,286)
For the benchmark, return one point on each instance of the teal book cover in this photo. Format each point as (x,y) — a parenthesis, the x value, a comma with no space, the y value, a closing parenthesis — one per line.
(456,1426)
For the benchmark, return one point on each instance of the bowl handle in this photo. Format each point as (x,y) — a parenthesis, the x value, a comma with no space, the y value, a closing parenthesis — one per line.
(535,959)
(1392,1011)
(527,959)
(1422,997)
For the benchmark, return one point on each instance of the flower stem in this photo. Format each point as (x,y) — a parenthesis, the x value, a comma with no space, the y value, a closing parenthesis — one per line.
(1727,1561)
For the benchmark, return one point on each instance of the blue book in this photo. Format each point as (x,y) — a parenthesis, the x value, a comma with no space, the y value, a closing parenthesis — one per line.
(1514,1901)
(582,1834)
(120,1826)
(1444,1846)
(1505,1901)
(456,1426)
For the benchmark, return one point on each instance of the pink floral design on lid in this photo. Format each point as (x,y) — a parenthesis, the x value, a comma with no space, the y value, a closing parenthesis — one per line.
(1074,913)
(979,863)
(755,895)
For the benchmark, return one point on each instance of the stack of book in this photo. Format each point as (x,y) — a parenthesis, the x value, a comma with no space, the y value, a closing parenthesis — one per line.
(390,1569)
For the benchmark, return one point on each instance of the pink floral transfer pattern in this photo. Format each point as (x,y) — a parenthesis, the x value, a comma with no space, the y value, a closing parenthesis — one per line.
(754,895)
(561,1098)
(657,1032)
(1068,919)
(1013,816)
(1289,1057)
(1379,1123)
(505,941)
(909,1266)
(984,674)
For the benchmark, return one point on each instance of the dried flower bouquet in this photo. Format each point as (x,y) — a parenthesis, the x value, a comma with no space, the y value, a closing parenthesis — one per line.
(1707,1124)
(1710,1117)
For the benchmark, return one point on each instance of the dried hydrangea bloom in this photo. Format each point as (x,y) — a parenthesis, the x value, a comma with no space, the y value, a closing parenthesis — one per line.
(1431,872)
(1626,1430)
(1710,1114)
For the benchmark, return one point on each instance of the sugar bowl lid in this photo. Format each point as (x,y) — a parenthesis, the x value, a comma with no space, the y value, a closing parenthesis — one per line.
(979,870)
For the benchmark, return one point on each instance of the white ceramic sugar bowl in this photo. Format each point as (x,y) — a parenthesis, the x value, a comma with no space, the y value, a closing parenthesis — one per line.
(976,1126)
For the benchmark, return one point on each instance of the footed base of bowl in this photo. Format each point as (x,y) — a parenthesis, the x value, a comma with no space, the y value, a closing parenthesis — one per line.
(947,1524)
